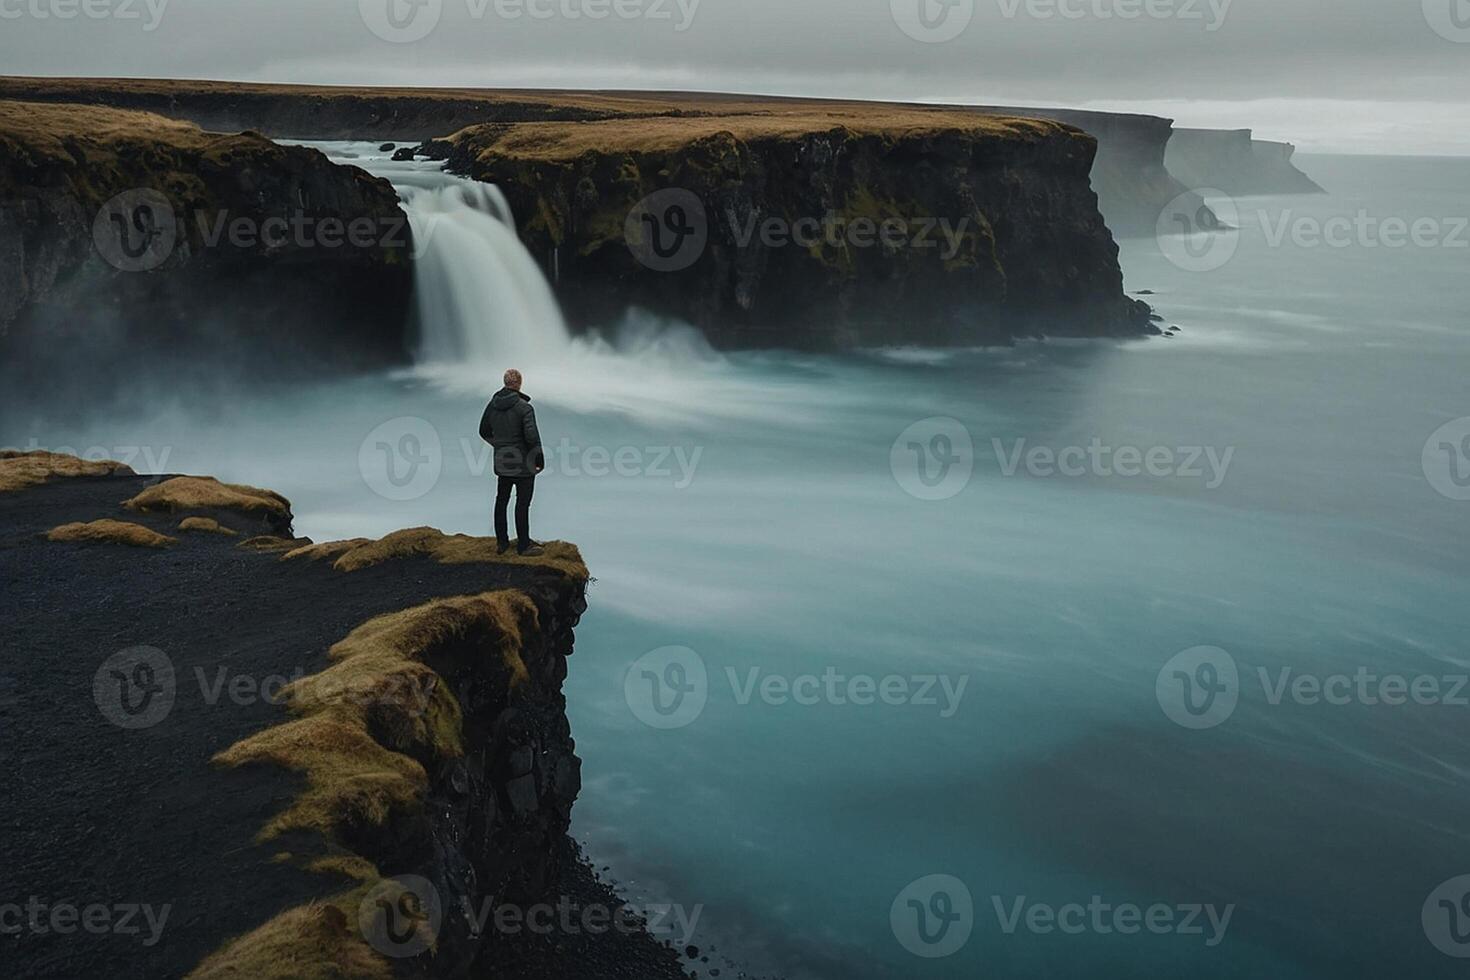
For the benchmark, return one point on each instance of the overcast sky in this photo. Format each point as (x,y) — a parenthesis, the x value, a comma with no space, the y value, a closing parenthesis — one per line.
(1364,75)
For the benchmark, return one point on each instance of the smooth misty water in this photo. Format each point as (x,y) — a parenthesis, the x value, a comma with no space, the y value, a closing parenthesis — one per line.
(793,549)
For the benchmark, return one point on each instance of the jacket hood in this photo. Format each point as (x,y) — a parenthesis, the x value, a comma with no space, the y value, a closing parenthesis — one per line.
(506,399)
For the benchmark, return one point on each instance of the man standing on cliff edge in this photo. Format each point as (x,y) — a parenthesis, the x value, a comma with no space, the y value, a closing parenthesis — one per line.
(509,425)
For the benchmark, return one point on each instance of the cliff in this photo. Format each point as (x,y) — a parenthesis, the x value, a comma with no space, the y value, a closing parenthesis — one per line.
(125,234)
(995,229)
(278,746)
(829,223)
(1236,163)
(1133,183)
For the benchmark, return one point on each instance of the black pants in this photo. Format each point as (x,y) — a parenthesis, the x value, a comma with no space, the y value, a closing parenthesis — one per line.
(525,489)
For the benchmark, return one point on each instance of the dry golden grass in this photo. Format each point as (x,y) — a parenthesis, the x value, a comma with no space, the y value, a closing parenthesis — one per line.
(20,470)
(320,941)
(458,549)
(749,122)
(205,492)
(206,525)
(329,550)
(111,532)
(48,127)
(369,724)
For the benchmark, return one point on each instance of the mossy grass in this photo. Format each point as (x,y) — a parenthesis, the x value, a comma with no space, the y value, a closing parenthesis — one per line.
(19,470)
(366,729)
(206,493)
(457,549)
(111,532)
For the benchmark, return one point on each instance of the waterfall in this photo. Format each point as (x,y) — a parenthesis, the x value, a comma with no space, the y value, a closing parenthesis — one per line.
(482,299)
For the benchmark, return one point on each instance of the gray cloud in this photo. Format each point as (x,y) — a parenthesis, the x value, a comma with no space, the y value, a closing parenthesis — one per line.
(1068,52)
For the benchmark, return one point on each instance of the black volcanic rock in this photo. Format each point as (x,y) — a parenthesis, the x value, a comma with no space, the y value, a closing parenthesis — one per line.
(1028,252)
(115,805)
(128,236)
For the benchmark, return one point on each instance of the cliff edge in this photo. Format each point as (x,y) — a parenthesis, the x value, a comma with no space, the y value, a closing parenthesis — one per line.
(133,237)
(815,228)
(282,759)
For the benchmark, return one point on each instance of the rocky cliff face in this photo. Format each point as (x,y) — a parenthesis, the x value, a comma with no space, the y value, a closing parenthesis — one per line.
(1133,182)
(825,224)
(820,231)
(125,234)
(392,732)
(1236,163)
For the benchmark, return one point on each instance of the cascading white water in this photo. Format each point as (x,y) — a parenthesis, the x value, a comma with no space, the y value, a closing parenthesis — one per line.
(482,298)
(484,305)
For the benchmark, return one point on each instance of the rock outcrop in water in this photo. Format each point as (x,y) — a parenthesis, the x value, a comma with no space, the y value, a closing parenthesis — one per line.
(826,229)
(1234,162)
(321,728)
(125,236)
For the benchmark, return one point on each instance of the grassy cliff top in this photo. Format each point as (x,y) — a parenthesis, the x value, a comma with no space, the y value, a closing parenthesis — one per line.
(654,134)
(47,126)
(575,120)
(100,151)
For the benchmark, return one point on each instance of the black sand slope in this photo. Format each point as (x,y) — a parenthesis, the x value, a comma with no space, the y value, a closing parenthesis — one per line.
(126,853)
